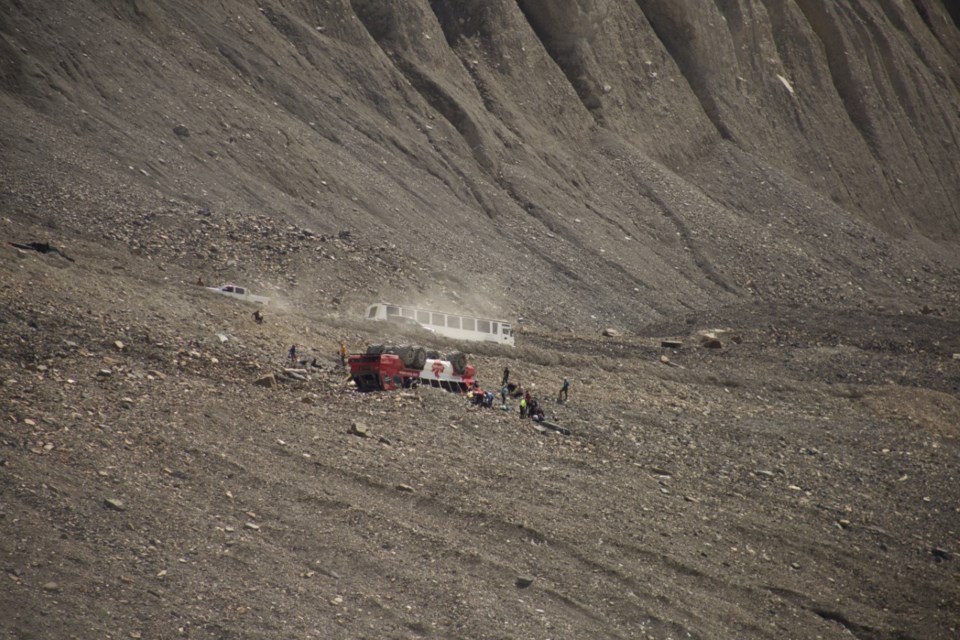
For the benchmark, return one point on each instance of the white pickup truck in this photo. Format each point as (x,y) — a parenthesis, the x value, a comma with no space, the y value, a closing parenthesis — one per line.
(236,291)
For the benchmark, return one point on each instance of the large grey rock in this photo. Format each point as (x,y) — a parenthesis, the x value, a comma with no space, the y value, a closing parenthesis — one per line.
(113,503)
(523,582)
(268,380)
(359,429)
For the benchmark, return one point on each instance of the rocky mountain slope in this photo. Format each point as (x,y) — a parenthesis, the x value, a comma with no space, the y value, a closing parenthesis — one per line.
(781,172)
(661,156)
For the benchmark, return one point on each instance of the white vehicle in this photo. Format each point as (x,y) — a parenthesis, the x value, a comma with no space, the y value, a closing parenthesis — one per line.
(236,291)
(451,325)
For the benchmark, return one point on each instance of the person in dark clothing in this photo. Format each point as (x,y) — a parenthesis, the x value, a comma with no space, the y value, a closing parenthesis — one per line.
(258,317)
(506,376)
(292,354)
(562,396)
(535,411)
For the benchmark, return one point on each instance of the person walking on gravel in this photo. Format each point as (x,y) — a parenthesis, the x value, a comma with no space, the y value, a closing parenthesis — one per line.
(506,376)
(292,354)
(343,354)
(562,396)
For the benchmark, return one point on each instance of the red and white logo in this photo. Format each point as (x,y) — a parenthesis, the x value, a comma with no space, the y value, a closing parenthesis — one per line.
(437,367)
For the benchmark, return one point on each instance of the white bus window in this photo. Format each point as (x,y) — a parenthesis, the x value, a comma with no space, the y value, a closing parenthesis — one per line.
(438,320)
(372,312)
(406,313)
(507,329)
(393,311)
(483,326)
(469,324)
(494,329)
(423,317)
(453,322)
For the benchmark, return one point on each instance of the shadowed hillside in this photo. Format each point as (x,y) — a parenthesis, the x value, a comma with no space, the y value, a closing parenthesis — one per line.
(659,155)
(782,175)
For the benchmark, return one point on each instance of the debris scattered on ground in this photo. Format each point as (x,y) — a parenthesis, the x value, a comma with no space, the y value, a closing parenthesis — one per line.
(41,247)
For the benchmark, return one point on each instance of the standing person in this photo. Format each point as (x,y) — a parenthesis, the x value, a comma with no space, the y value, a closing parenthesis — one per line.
(343,353)
(292,354)
(258,317)
(506,376)
(503,395)
(562,396)
(523,408)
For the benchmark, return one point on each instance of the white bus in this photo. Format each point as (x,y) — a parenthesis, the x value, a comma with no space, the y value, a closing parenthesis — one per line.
(451,325)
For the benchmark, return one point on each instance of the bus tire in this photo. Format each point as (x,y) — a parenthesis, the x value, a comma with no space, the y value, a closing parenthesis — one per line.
(404,352)
(433,354)
(419,357)
(459,361)
(376,349)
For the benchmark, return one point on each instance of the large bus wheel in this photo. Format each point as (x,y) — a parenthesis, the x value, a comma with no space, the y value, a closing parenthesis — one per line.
(419,357)
(459,361)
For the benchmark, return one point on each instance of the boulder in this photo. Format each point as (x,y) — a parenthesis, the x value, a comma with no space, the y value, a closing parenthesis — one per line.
(710,340)
(113,503)
(359,429)
(268,380)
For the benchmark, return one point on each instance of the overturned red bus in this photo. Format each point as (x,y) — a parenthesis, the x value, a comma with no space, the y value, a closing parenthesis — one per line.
(386,372)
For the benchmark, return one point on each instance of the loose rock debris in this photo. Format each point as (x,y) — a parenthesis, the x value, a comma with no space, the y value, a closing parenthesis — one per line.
(41,247)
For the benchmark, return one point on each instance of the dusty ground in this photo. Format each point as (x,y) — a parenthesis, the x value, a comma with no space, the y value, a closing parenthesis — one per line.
(798,483)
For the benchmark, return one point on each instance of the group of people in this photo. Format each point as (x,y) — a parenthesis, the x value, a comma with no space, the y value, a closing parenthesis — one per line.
(480,398)
(529,406)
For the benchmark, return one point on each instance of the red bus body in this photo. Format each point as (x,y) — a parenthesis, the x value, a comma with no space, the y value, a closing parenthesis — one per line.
(386,372)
